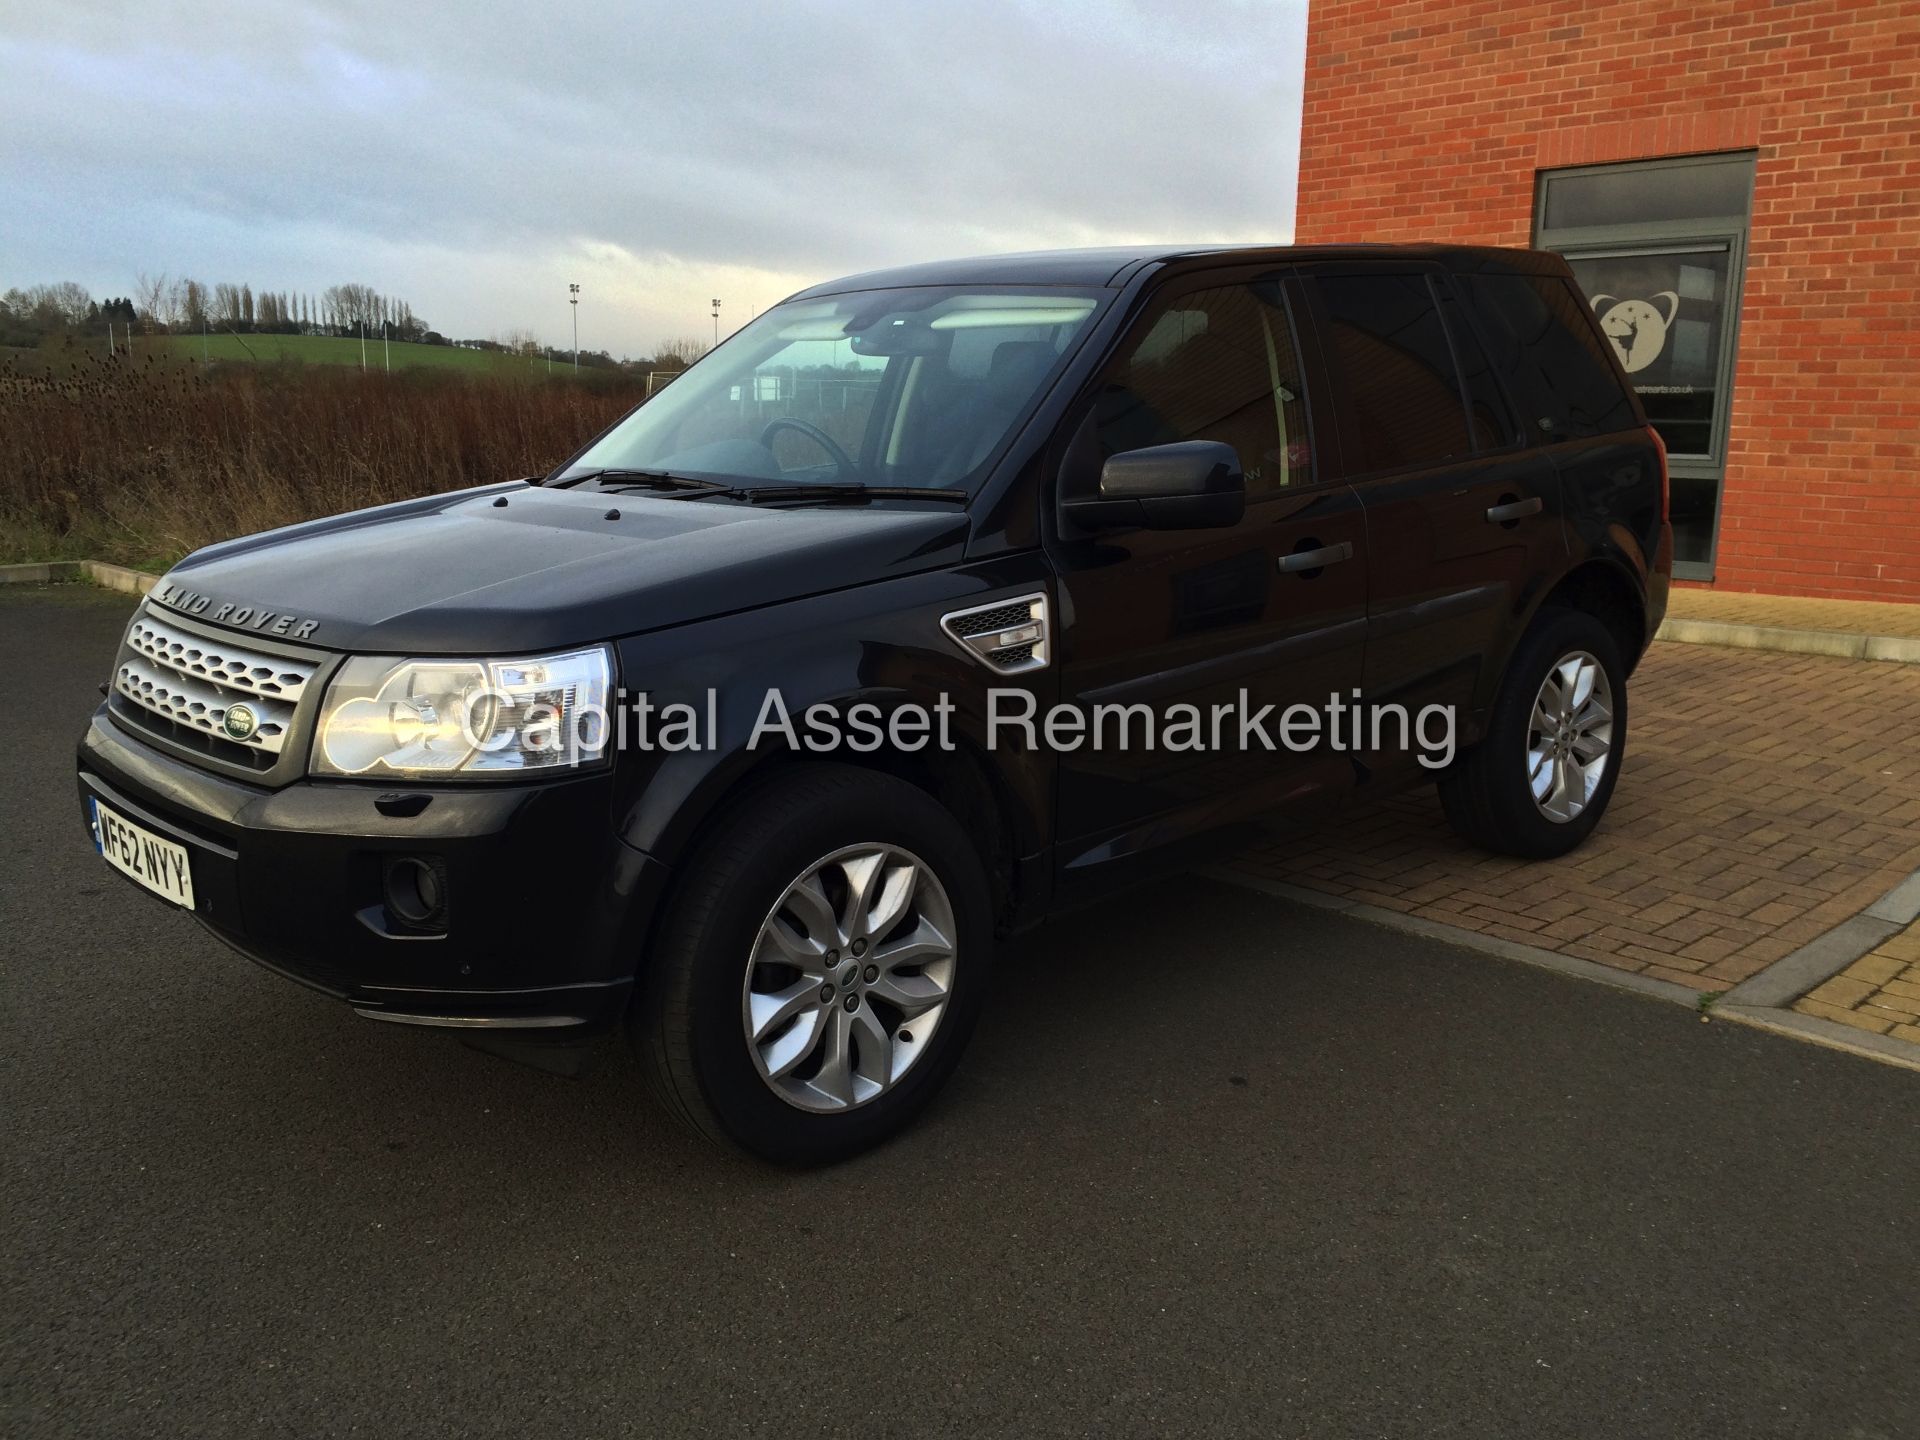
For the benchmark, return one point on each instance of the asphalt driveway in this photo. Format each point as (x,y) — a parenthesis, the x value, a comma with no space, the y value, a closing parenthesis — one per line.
(1214,1164)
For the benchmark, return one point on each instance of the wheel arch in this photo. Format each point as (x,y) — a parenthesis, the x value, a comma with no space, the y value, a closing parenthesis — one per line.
(1609,594)
(684,802)
(960,779)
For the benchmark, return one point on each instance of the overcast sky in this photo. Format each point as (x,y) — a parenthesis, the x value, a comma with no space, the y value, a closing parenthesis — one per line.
(473,158)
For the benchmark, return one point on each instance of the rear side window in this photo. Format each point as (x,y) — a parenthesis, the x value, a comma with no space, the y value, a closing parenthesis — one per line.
(1546,349)
(1397,389)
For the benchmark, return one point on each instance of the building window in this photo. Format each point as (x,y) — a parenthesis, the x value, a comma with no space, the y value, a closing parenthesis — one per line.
(1659,249)
(1666,313)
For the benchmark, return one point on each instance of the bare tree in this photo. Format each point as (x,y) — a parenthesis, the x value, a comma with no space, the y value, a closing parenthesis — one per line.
(684,349)
(57,305)
(152,297)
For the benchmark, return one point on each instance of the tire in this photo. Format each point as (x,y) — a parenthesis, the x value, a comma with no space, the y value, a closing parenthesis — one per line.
(1489,796)
(722,944)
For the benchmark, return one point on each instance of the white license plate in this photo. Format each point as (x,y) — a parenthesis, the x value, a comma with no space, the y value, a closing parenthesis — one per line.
(141,855)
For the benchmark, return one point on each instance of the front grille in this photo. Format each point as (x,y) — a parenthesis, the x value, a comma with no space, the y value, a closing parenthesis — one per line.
(186,737)
(182,684)
(228,666)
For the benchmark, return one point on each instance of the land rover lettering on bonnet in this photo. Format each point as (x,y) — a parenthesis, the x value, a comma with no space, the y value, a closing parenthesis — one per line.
(240,617)
(755,729)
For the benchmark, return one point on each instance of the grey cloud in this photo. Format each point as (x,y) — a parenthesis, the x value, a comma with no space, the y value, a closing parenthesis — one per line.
(800,138)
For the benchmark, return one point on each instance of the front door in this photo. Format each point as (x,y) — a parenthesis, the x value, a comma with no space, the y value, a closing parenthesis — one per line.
(1268,612)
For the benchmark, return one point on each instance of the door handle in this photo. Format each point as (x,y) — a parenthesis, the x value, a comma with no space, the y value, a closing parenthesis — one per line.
(1314,559)
(1512,510)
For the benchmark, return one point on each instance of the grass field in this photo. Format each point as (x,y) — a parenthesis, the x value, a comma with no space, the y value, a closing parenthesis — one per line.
(333,350)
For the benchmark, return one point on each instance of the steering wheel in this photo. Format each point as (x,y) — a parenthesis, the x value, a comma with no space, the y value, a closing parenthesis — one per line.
(842,461)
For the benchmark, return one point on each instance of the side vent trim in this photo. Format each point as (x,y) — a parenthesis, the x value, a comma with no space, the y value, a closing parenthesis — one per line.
(1009,637)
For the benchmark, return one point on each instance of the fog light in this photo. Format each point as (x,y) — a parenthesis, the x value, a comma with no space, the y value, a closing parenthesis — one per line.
(416,892)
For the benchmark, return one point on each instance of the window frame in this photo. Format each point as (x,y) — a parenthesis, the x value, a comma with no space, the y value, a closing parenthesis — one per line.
(1156,299)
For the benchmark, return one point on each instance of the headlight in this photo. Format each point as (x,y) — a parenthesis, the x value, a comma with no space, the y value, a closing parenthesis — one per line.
(465,719)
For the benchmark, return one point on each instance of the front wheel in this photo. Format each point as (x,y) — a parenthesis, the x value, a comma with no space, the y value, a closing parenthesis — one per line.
(1540,779)
(821,967)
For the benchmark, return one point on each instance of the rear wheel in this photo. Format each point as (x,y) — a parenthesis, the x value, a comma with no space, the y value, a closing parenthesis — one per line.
(1539,781)
(821,968)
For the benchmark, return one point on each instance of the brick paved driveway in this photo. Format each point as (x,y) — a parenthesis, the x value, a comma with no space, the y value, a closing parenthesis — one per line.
(1766,798)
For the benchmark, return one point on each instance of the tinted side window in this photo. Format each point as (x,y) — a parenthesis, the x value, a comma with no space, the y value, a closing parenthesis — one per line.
(1217,365)
(1398,390)
(1488,415)
(1544,345)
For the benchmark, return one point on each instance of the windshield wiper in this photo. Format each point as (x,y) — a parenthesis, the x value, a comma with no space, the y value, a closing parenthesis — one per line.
(618,479)
(847,490)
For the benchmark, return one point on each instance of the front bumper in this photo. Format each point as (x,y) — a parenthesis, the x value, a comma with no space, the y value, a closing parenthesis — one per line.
(547,909)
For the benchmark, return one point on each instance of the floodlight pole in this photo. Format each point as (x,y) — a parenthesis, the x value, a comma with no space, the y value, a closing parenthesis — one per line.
(573,299)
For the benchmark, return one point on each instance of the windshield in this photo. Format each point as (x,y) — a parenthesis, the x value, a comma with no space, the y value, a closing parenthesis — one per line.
(909,388)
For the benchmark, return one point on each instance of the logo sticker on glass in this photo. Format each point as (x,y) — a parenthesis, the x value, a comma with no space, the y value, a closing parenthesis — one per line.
(1637,328)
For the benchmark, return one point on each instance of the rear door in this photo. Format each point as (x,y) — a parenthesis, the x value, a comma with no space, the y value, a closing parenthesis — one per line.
(1273,607)
(1463,520)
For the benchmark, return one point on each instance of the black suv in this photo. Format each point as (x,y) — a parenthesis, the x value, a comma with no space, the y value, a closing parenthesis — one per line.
(759,723)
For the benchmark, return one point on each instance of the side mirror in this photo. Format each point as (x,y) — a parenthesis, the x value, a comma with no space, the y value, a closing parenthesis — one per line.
(1193,485)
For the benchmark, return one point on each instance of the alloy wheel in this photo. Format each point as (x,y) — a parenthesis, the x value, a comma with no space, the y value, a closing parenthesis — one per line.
(848,978)
(1569,736)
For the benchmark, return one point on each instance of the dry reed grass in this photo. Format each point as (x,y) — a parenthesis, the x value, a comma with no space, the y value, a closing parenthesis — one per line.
(140,461)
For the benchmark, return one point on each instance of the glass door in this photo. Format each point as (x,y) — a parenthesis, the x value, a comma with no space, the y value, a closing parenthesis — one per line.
(1659,249)
(1669,311)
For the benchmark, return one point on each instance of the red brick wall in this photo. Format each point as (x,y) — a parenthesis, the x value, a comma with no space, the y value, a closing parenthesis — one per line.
(1428,120)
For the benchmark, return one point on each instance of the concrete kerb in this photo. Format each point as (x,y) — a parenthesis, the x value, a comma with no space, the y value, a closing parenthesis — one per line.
(1761,1001)
(119,577)
(1900,649)
(49,572)
(1812,1028)
(1825,956)
(1901,904)
(46,572)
